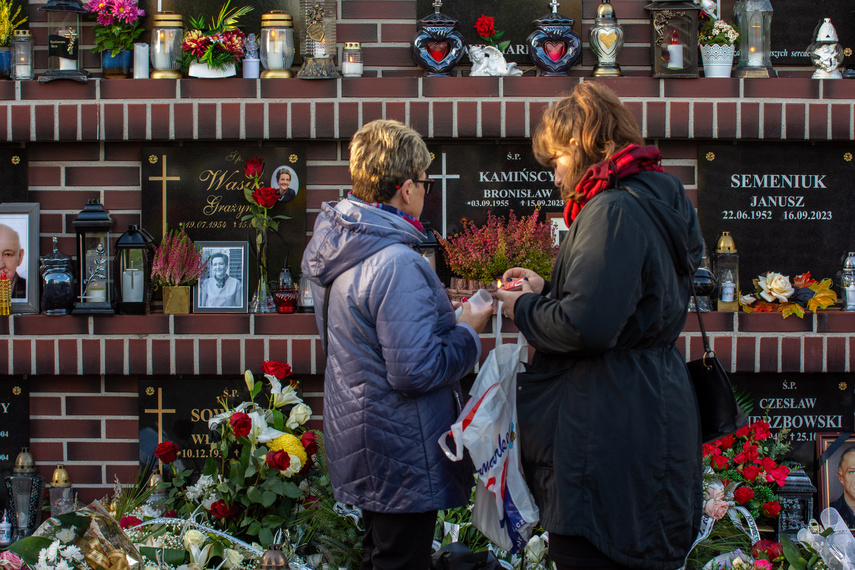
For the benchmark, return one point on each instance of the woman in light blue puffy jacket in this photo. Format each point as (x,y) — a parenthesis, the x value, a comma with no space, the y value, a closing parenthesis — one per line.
(395,352)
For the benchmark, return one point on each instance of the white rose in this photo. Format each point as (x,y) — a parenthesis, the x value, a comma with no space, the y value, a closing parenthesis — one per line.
(747,299)
(536,548)
(66,535)
(775,286)
(298,416)
(231,558)
(293,467)
(193,538)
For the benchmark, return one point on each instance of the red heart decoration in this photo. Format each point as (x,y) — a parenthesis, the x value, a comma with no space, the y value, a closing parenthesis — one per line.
(555,50)
(438,50)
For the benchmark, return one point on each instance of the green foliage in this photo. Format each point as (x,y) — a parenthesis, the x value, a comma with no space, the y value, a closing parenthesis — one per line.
(727,538)
(9,21)
(117,37)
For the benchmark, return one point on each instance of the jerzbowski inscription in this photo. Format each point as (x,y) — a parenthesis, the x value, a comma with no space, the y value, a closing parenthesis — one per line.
(803,405)
(788,207)
(472,180)
(14,424)
(202,189)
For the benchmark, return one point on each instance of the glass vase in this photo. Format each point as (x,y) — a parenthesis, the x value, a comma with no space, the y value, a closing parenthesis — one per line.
(262,300)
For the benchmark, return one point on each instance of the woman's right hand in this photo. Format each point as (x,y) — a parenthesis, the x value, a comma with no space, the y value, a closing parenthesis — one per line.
(535,281)
(477,320)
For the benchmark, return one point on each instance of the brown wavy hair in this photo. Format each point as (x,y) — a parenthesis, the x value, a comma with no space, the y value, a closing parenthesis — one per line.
(593,115)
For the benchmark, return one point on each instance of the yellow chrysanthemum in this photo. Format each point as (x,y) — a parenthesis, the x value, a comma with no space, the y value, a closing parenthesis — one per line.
(289,444)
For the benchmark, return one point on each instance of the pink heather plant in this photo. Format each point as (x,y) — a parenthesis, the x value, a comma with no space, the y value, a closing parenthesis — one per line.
(484,253)
(176,262)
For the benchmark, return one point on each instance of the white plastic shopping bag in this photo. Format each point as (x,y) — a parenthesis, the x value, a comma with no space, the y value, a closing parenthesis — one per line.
(504,507)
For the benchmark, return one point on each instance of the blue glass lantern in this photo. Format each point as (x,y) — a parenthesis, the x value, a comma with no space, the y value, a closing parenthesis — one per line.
(438,46)
(554,47)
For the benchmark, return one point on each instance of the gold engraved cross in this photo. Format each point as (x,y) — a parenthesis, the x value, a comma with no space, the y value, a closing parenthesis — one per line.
(163,179)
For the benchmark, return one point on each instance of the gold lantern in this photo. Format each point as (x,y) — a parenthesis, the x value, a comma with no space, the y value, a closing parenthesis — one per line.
(319,44)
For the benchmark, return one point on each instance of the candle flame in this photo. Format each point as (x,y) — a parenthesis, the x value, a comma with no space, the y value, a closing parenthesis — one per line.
(498,283)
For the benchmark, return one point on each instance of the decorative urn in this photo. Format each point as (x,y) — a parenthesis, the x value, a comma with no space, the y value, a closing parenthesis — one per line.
(554,47)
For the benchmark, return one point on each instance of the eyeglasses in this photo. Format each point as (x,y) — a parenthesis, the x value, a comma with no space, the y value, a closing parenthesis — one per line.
(428,184)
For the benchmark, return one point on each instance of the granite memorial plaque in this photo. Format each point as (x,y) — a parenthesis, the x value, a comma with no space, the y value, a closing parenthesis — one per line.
(515,18)
(13,172)
(202,188)
(14,425)
(474,179)
(789,207)
(804,405)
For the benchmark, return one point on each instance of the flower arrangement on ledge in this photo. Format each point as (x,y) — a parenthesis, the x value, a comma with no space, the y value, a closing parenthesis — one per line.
(219,45)
(118,26)
(176,262)
(484,253)
(777,294)
(717,33)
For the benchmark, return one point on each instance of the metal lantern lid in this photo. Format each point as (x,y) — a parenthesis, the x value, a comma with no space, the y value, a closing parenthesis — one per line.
(93,215)
(825,32)
(606,12)
(277,19)
(21,33)
(725,244)
(352,45)
(135,238)
(60,477)
(553,19)
(24,463)
(167,20)
(273,559)
(64,6)
(437,20)
(849,263)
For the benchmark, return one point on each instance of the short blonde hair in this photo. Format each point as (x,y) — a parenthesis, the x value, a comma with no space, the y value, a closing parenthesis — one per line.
(383,154)
(593,115)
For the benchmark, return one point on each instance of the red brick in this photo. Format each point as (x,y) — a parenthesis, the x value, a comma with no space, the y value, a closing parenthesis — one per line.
(230,356)
(137,121)
(703,119)
(791,354)
(123,199)
(723,347)
(442,114)
(838,90)
(298,89)
(206,121)
(70,384)
(211,323)
(707,88)
(515,119)
(4,347)
(44,356)
(90,121)
(100,406)
(656,116)
(159,124)
(114,355)
(49,223)
(775,88)
(679,119)
(835,321)
(67,356)
(228,88)
(455,87)
(322,150)
(183,114)
(750,120)
(91,356)
(371,110)
(745,354)
(102,176)
(57,90)
(773,121)
(230,122)
(253,352)
(380,87)
(695,347)
(395,32)
(491,119)
(122,429)
(160,357)
(208,356)
(101,451)
(67,122)
(420,117)
(378,10)
(70,429)
(795,121)
(678,149)
(140,89)
(314,199)
(114,121)
(818,121)
(7,91)
(184,356)
(331,175)
(253,120)
(21,124)
(137,356)
(467,119)
(294,324)
(841,118)
(45,405)
(278,119)
(366,33)
(835,359)
(47,325)
(773,322)
(813,357)
(121,384)
(21,354)
(726,119)
(48,451)
(325,120)
(301,120)
(395,110)
(538,87)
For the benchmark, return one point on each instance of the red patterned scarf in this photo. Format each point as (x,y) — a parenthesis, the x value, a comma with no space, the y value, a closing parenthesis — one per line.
(604,175)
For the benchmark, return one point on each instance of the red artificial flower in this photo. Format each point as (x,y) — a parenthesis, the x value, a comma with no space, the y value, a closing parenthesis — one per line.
(485,26)
(254,168)
(750,472)
(129,522)
(743,494)
(743,431)
(768,549)
(222,511)
(241,424)
(709,449)
(310,442)
(727,442)
(265,197)
(166,452)
(170,514)
(771,509)
(278,369)
(778,475)
(760,430)
(718,462)
(278,460)
(767,463)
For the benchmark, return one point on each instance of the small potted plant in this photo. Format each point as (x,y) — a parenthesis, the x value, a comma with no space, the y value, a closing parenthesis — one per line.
(10,20)
(716,40)
(177,265)
(214,50)
(118,28)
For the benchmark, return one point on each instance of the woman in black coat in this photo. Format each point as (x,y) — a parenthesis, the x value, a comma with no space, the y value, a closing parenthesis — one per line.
(607,413)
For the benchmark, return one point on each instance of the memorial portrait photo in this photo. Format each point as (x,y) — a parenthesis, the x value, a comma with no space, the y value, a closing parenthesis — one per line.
(837,476)
(19,253)
(285,180)
(223,286)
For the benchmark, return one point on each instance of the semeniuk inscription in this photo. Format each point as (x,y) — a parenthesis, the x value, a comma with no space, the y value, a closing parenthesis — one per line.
(202,189)
(800,405)
(472,180)
(14,424)
(788,206)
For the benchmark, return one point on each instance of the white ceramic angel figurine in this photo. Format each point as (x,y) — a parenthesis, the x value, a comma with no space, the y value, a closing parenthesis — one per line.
(488,61)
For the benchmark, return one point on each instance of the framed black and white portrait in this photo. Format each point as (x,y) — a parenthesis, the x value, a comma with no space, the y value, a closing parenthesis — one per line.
(223,286)
(19,253)
(836,483)
(285,180)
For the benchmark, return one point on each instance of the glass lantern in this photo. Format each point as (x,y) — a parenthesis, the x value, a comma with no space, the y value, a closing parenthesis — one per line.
(305,300)
(277,44)
(285,296)
(351,59)
(61,492)
(606,40)
(63,19)
(674,39)
(22,54)
(134,254)
(166,34)
(94,261)
(318,47)
(754,22)
(25,488)
(727,273)
(57,272)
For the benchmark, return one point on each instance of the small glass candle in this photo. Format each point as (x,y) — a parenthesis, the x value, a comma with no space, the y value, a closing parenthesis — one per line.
(351,60)
(22,55)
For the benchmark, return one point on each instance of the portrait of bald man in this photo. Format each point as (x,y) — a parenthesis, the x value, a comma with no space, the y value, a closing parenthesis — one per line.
(11,257)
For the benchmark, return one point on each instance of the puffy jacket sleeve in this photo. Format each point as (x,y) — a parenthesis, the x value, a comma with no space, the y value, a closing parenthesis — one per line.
(420,345)
(601,265)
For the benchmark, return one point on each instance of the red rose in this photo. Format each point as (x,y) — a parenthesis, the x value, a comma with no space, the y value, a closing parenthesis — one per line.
(718,462)
(743,494)
(778,475)
(771,509)
(129,522)
(769,548)
(166,452)
(278,369)
(241,424)
(708,449)
(220,510)
(254,168)
(309,442)
(485,26)
(278,460)
(767,463)
(750,472)
(265,197)
(727,442)
(743,431)
(761,430)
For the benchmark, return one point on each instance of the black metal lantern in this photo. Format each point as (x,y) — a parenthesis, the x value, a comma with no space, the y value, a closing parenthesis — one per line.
(94,260)
(63,18)
(25,488)
(796,498)
(134,254)
(438,47)
(554,47)
(674,38)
